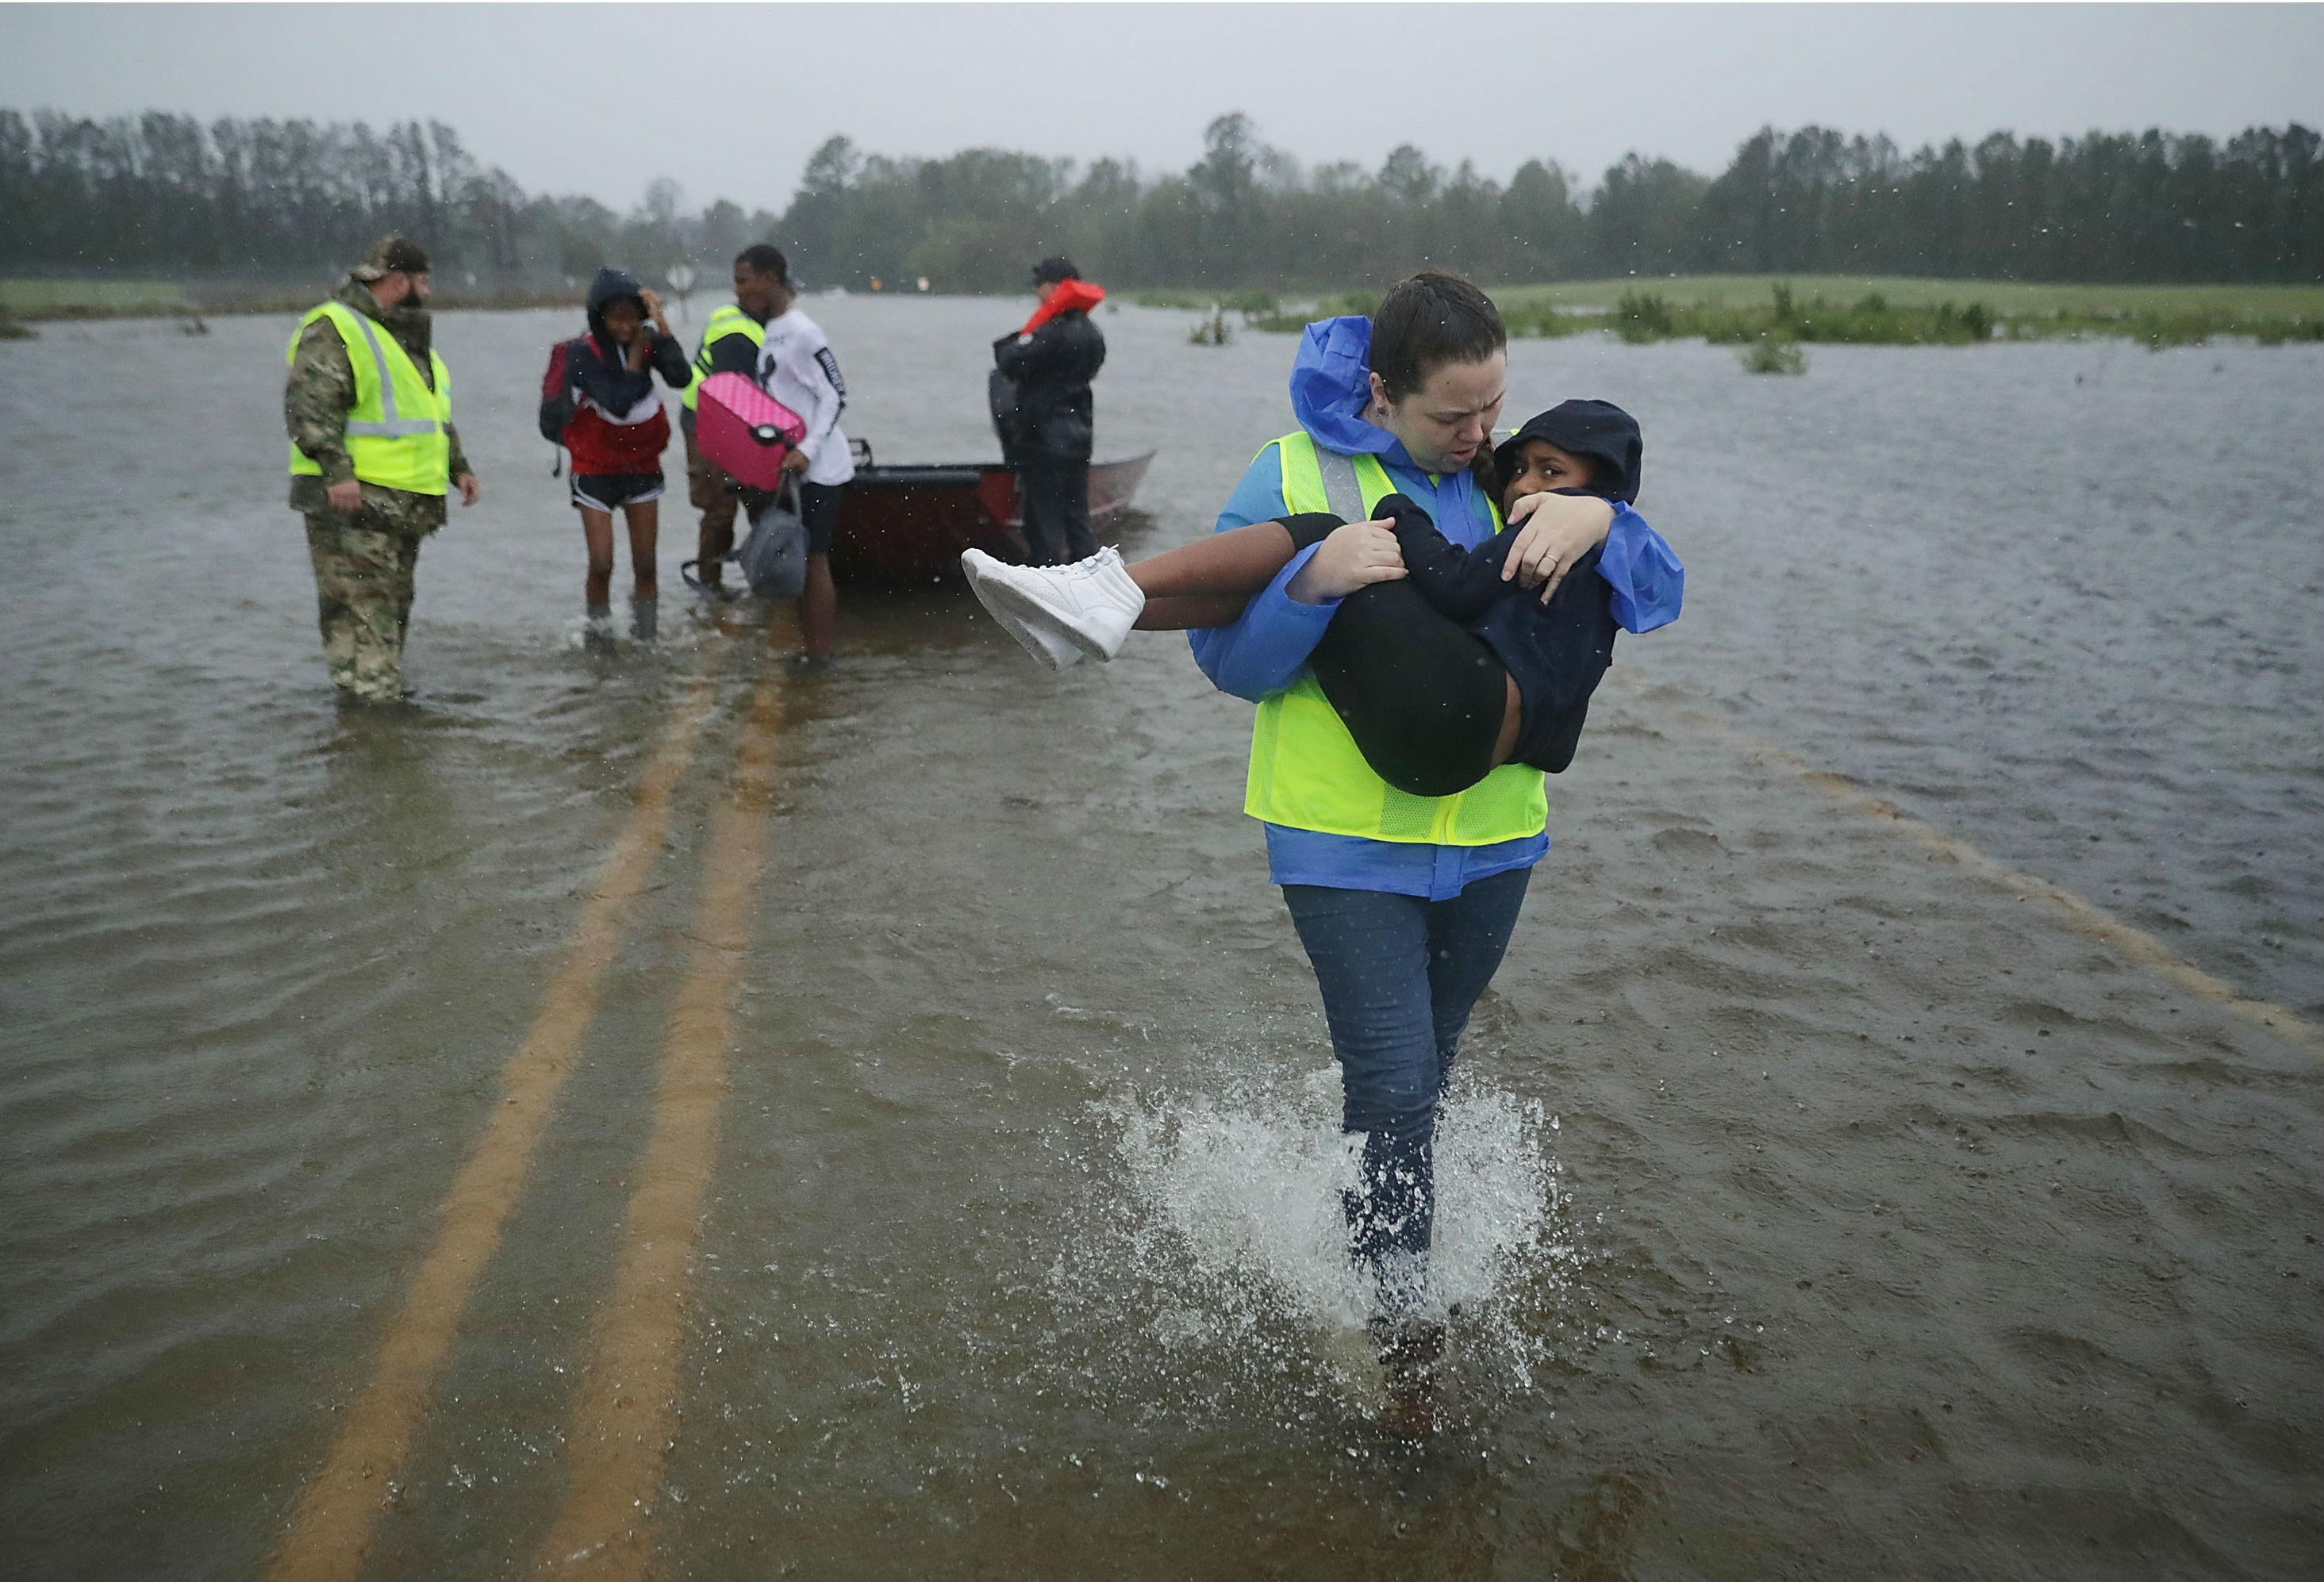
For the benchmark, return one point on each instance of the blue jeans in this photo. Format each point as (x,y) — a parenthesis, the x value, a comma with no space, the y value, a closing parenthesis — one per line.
(1399,975)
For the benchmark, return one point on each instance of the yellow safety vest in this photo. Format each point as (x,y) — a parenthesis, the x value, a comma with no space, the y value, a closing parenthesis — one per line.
(396,434)
(729,320)
(1305,769)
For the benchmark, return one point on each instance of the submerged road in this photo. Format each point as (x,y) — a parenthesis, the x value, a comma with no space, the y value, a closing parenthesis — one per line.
(626,1411)
(332,1532)
(627,1395)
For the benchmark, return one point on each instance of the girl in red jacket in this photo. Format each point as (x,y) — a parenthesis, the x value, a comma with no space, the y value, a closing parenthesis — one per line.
(616,435)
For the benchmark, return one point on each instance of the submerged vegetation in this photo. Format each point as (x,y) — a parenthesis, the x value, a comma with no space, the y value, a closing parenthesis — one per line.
(1873,320)
(1782,317)
(1773,354)
(1279,317)
(1645,315)
(1212,331)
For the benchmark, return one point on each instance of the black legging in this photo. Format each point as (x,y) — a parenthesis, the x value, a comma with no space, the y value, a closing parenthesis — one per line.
(1422,695)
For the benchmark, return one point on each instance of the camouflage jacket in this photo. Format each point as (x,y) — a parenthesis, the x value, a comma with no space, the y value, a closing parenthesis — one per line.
(319,392)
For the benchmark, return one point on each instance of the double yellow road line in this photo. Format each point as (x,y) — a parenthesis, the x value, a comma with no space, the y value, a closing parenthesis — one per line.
(627,1395)
(628,1392)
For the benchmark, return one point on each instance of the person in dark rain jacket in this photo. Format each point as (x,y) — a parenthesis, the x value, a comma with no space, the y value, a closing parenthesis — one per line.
(1048,436)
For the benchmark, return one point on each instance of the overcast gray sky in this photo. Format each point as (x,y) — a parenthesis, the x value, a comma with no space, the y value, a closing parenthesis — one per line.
(731,99)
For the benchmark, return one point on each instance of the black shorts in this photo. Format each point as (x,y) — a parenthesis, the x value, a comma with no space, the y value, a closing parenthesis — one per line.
(609,492)
(819,511)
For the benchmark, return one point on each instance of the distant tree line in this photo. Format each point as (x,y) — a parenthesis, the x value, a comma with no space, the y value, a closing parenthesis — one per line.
(164,194)
(2150,207)
(2106,207)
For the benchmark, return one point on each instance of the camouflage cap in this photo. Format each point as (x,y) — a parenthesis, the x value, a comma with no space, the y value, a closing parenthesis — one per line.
(393,255)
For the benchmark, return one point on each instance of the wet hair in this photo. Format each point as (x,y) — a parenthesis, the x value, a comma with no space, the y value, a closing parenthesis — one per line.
(762,258)
(1426,321)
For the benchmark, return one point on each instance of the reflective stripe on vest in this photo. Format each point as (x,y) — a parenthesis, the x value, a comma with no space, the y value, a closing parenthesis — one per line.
(729,320)
(1305,769)
(395,430)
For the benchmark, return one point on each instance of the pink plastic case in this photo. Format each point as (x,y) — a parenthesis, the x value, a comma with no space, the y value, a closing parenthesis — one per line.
(744,430)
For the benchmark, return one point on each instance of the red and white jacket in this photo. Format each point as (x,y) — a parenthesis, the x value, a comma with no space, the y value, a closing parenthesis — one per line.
(618,426)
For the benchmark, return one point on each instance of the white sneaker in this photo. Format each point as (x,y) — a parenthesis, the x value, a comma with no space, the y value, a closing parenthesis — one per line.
(1052,649)
(1092,603)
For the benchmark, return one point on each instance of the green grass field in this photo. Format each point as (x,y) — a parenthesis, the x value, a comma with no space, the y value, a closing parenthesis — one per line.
(28,299)
(2010,298)
(1877,310)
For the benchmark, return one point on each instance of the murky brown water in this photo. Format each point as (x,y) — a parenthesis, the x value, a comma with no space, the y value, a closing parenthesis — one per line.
(1819,1207)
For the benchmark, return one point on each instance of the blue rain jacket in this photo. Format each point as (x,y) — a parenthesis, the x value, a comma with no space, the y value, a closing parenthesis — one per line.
(1265,650)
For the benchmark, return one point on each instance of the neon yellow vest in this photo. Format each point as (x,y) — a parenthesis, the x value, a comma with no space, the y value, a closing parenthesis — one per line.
(729,320)
(395,430)
(1305,771)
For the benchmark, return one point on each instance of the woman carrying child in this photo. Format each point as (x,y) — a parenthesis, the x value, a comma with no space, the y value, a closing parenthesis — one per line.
(1404,901)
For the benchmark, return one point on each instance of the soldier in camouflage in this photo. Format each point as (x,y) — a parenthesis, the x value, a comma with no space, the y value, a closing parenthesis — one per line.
(364,538)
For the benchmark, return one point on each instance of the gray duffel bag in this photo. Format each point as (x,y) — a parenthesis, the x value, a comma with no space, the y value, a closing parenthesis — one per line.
(773,556)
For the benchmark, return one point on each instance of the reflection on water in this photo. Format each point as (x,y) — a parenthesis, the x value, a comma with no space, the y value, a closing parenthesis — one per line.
(1796,1188)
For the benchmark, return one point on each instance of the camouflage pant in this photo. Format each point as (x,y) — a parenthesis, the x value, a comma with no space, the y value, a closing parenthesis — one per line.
(362,586)
(714,492)
(709,488)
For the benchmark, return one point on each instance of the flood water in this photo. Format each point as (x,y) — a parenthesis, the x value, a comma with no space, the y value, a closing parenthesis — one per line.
(1814,1205)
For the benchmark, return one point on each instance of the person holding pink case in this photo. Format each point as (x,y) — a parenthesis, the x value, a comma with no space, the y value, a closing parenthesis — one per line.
(796,367)
(730,345)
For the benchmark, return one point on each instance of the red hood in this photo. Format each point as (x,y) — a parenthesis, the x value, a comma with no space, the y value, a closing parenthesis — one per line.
(1071,296)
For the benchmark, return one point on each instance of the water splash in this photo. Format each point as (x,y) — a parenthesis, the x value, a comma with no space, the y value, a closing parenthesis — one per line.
(1228,1252)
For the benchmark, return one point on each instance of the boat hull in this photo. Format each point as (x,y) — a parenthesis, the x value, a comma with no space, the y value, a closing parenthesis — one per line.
(911,524)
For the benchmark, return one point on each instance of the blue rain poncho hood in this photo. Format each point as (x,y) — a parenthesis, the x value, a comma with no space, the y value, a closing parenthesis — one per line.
(1331,384)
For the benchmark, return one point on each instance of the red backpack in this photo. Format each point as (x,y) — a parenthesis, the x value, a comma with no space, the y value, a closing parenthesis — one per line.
(555,396)
(557,404)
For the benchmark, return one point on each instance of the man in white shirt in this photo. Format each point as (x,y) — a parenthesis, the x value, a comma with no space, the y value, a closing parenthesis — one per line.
(796,367)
